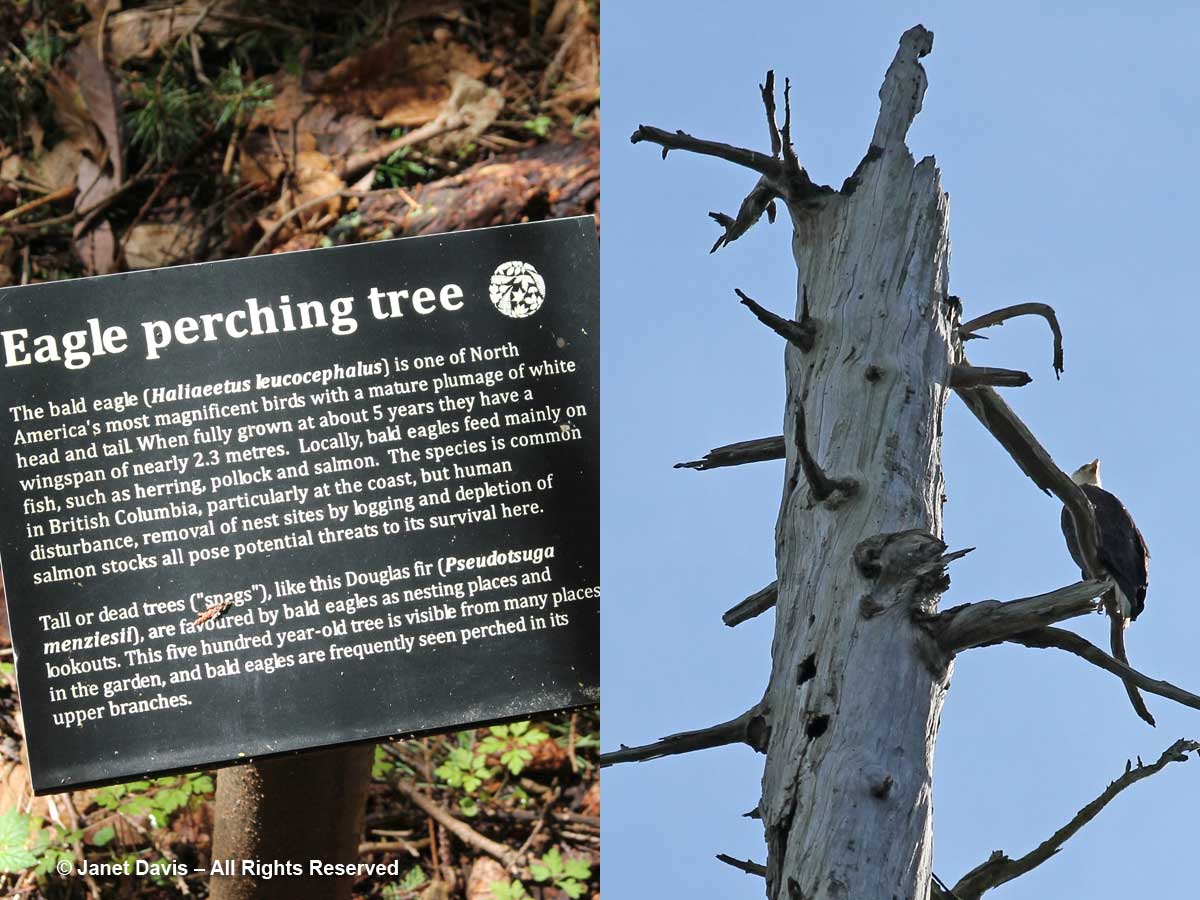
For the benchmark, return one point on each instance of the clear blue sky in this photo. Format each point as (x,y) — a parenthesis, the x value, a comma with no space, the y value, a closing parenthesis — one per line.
(1068,141)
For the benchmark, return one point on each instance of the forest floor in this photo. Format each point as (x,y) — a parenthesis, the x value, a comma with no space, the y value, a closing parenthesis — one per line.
(135,135)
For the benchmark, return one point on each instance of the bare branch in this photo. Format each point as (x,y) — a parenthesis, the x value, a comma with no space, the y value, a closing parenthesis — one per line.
(768,98)
(801,334)
(1116,641)
(749,866)
(458,827)
(996,416)
(991,621)
(963,377)
(999,868)
(999,317)
(750,728)
(754,605)
(823,487)
(939,890)
(761,199)
(1060,639)
(752,451)
(791,164)
(680,140)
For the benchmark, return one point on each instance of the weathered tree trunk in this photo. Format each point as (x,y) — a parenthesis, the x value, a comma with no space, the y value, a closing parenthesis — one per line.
(295,808)
(857,687)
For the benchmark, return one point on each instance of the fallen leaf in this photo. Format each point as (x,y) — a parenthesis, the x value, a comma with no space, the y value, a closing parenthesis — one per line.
(98,92)
(11,167)
(71,114)
(53,170)
(154,244)
(288,103)
(142,33)
(97,249)
(470,100)
(590,805)
(407,106)
(316,178)
(305,241)
(399,82)
(94,185)
(431,62)
(14,788)
(98,7)
(485,871)
(548,756)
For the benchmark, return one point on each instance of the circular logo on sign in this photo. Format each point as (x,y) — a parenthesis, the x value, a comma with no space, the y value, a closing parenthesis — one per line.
(517,289)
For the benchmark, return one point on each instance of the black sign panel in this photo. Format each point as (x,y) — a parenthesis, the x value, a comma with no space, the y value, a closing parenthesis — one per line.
(261,505)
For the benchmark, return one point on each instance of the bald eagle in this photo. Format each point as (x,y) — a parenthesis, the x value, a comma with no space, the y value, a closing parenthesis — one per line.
(1122,549)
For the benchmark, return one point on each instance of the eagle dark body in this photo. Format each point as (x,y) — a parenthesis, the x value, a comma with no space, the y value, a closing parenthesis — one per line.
(1122,549)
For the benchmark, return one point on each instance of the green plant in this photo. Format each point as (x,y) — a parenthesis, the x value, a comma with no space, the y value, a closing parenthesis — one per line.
(568,875)
(465,768)
(158,799)
(168,113)
(25,843)
(164,119)
(382,765)
(413,879)
(396,170)
(43,46)
(54,846)
(511,743)
(539,125)
(234,100)
(16,853)
(507,890)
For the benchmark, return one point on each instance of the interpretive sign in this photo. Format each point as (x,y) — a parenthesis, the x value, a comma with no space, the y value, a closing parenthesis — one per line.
(268,504)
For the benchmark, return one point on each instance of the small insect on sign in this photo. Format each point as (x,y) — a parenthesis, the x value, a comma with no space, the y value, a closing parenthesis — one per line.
(269,504)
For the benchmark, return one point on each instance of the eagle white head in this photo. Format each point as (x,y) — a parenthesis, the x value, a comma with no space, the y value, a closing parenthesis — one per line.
(1088,474)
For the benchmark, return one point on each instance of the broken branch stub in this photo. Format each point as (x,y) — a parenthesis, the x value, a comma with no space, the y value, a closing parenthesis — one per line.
(754,605)
(966,377)
(751,728)
(751,451)
(801,334)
